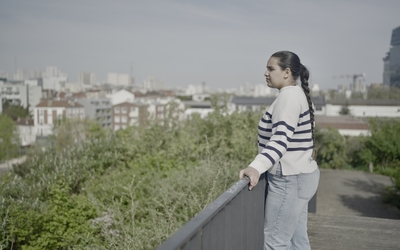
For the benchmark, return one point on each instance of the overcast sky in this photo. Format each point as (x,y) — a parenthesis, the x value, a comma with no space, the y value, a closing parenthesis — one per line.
(224,43)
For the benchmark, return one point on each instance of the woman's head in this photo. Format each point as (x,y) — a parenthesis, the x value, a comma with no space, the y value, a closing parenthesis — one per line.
(289,60)
(290,68)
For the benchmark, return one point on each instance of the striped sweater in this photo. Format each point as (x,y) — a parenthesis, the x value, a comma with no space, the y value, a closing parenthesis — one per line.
(284,135)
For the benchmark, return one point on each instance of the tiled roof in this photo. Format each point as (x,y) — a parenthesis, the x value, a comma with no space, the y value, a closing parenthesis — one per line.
(24,122)
(368,102)
(136,104)
(58,104)
(340,122)
(261,101)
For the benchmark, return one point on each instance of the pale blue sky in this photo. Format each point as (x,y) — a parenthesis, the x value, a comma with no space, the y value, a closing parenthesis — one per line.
(224,43)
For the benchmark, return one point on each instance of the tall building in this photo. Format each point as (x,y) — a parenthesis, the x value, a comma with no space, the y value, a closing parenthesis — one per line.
(391,74)
(87,78)
(152,84)
(119,79)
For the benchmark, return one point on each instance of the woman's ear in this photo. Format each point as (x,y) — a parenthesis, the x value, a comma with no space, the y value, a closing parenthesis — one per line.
(287,73)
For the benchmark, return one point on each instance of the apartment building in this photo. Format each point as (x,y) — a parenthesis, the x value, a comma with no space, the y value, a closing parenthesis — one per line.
(128,114)
(98,110)
(47,112)
(21,94)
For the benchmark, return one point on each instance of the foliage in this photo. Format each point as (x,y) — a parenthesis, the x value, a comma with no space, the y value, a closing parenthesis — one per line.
(356,152)
(9,140)
(67,132)
(384,93)
(384,143)
(125,183)
(345,109)
(63,223)
(331,147)
(15,112)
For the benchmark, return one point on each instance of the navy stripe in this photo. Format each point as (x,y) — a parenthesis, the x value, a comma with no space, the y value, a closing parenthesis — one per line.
(303,123)
(264,137)
(303,132)
(278,142)
(270,158)
(281,143)
(284,124)
(265,121)
(300,149)
(268,114)
(265,129)
(275,150)
(284,134)
(302,140)
(304,114)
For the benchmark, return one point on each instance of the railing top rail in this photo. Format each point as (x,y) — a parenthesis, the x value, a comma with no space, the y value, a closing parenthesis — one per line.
(185,233)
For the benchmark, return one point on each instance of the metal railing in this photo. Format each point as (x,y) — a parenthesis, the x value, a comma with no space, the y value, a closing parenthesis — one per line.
(235,220)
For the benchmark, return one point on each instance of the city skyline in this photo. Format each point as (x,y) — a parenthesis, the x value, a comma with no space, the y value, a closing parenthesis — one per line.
(224,44)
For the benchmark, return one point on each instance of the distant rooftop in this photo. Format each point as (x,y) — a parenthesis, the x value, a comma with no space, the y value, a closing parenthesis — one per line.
(368,102)
(340,122)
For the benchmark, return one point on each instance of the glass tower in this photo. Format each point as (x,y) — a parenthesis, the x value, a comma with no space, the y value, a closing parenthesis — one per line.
(391,74)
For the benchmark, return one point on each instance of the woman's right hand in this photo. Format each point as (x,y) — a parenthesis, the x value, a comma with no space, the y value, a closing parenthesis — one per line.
(253,175)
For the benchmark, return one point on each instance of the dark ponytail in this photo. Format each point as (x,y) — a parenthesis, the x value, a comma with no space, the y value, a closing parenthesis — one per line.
(290,60)
(304,75)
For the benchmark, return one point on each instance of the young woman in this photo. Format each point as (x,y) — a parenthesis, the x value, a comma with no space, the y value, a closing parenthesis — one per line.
(285,146)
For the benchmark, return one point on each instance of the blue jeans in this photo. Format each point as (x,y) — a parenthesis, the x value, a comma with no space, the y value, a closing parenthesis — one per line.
(286,211)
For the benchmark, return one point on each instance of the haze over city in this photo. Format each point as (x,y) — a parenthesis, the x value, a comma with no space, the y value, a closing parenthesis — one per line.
(222,43)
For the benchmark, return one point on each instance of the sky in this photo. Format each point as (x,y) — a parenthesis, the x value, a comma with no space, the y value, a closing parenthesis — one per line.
(223,43)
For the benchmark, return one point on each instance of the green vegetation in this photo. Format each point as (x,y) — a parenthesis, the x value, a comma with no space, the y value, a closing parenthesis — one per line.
(382,149)
(14,111)
(9,140)
(125,190)
(93,189)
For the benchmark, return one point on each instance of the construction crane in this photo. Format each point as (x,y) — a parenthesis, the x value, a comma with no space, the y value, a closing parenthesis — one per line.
(354,86)
(354,76)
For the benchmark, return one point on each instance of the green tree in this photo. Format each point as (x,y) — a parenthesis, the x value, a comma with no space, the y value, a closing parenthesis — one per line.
(384,144)
(14,111)
(331,148)
(9,139)
(345,109)
(67,132)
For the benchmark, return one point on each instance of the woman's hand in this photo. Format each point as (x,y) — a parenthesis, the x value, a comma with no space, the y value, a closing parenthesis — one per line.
(253,175)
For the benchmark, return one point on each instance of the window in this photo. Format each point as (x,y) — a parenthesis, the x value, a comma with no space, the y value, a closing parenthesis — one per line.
(133,109)
(116,110)
(117,118)
(123,110)
(123,119)
(116,127)
(133,121)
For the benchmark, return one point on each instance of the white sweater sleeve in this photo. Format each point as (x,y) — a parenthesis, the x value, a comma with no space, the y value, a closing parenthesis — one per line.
(285,117)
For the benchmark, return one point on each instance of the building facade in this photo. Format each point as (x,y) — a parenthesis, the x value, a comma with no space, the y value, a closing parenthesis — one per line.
(391,74)
(98,110)
(48,112)
(26,131)
(129,114)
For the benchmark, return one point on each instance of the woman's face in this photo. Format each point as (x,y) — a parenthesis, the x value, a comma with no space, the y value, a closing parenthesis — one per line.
(275,76)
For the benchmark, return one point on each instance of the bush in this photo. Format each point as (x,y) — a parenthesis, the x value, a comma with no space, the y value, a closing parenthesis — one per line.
(125,190)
